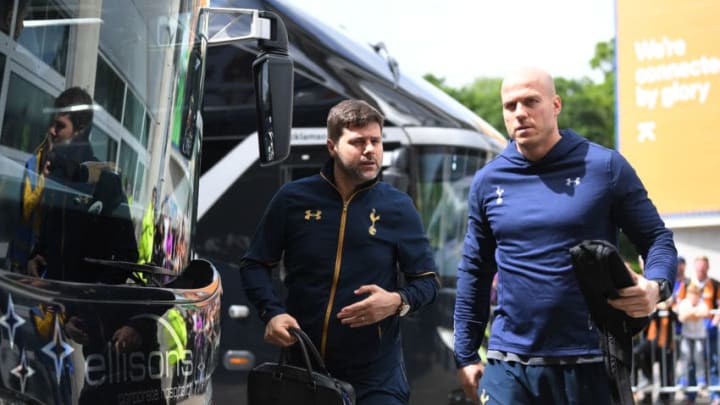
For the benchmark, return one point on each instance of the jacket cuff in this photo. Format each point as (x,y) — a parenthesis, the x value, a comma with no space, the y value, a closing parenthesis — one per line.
(269,313)
(461,362)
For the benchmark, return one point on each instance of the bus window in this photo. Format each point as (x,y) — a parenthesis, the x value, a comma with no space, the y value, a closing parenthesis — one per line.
(443,182)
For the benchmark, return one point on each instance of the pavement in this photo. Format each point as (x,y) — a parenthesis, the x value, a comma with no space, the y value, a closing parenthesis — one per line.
(703,398)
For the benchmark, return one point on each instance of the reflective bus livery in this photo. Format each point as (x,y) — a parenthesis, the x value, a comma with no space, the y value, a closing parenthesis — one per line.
(101,301)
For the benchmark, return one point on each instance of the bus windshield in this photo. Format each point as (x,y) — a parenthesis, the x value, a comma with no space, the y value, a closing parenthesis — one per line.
(444,177)
(100,131)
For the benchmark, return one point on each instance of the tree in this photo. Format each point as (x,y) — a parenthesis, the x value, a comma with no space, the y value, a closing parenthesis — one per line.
(588,107)
(482,97)
(587,110)
(603,60)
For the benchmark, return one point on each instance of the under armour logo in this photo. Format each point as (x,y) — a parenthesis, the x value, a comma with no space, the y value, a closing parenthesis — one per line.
(484,397)
(572,182)
(499,191)
(373,218)
(317,215)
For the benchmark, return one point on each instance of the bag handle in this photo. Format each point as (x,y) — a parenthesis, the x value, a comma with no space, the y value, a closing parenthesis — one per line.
(311,349)
(303,349)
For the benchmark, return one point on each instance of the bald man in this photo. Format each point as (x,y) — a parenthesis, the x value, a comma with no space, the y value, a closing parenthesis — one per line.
(549,190)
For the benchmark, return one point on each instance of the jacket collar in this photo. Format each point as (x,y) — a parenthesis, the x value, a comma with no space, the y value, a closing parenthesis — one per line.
(328,172)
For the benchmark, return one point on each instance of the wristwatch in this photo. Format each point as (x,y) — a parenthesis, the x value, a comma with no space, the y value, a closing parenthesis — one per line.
(404,306)
(664,289)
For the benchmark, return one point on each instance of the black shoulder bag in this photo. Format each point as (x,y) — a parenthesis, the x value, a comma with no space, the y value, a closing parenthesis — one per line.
(283,384)
(601,272)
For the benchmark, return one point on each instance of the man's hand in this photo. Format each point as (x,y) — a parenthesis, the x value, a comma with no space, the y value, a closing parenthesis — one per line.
(276,331)
(376,307)
(469,377)
(638,300)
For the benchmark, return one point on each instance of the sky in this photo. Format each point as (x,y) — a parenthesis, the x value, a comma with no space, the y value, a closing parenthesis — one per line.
(461,40)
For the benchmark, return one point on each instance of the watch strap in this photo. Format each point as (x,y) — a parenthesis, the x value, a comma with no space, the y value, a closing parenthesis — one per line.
(664,290)
(404,306)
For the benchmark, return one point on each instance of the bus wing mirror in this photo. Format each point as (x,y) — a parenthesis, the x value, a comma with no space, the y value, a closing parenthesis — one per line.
(272,74)
(273,77)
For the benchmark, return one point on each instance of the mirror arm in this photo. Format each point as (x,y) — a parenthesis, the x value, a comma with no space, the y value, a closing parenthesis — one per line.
(260,27)
(278,41)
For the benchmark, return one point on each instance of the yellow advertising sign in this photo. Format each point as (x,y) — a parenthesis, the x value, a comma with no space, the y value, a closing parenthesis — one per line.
(668,72)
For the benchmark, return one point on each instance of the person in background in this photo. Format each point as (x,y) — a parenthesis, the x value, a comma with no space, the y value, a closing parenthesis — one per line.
(658,346)
(681,282)
(64,127)
(692,312)
(147,234)
(710,295)
(549,190)
(342,236)
(680,276)
(85,215)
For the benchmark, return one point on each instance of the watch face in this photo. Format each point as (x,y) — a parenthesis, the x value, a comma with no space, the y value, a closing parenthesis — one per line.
(404,309)
(664,289)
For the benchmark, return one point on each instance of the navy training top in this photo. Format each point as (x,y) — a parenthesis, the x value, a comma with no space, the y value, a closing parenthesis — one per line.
(524,217)
(329,248)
